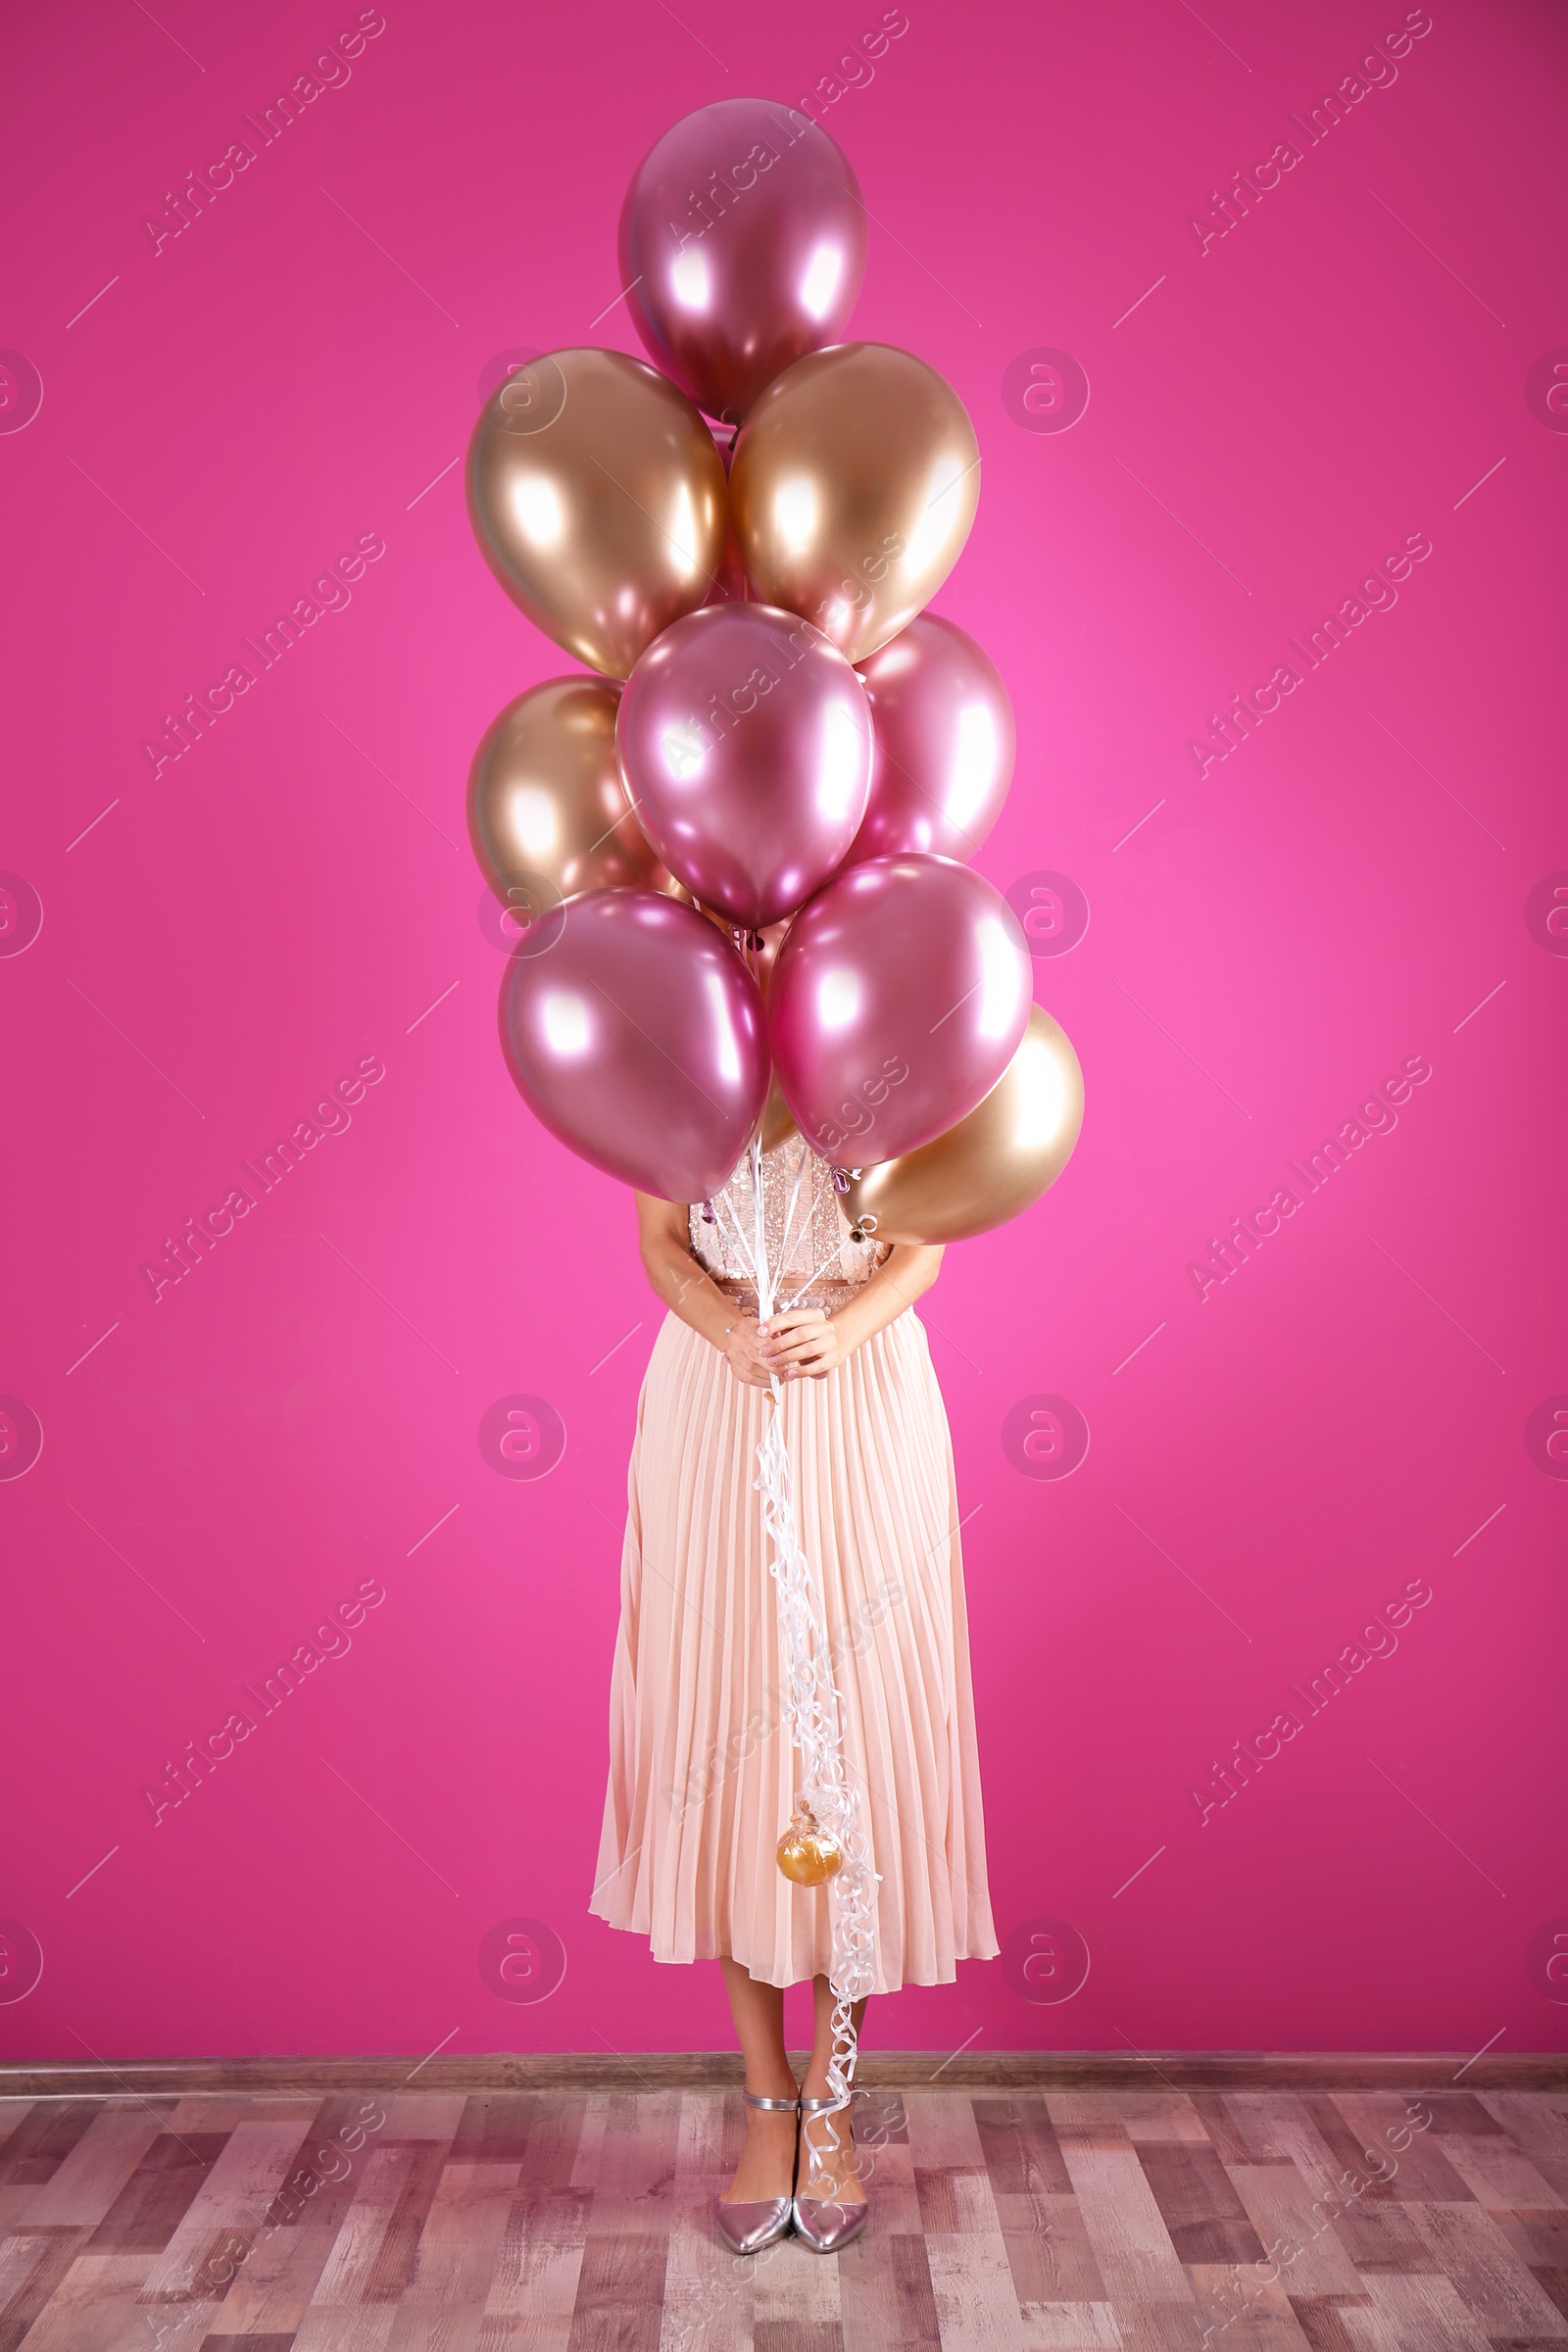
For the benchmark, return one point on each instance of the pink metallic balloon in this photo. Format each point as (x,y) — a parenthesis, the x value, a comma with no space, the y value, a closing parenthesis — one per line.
(944,744)
(899,996)
(634,1031)
(743,241)
(745,745)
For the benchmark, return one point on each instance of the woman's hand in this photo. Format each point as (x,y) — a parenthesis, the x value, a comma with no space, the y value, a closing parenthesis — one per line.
(803,1343)
(741,1348)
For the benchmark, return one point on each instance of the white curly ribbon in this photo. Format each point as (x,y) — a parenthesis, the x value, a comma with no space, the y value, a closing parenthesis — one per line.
(812,1701)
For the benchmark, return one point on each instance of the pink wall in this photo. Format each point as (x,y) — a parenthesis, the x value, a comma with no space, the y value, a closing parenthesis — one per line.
(1360,364)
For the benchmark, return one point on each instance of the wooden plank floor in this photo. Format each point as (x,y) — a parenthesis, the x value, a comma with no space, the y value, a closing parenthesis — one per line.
(1160,2221)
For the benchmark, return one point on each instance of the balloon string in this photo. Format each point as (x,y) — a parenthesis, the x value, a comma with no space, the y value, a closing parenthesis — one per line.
(740,1236)
(801,1163)
(752,958)
(752,1261)
(832,1256)
(813,1705)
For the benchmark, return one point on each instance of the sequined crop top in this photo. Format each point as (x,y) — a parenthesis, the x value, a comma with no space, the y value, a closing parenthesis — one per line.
(807,1235)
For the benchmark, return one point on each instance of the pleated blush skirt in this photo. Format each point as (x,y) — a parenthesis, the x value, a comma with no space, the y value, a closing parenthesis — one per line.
(702,1771)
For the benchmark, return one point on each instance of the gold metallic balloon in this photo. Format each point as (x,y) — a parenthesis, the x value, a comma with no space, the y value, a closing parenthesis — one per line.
(548,813)
(807,1855)
(597,497)
(778,1120)
(852,486)
(1008,1150)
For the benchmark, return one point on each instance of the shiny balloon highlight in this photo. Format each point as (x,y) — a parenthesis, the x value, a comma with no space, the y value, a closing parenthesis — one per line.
(853,487)
(598,500)
(745,744)
(944,744)
(639,1038)
(899,996)
(743,241)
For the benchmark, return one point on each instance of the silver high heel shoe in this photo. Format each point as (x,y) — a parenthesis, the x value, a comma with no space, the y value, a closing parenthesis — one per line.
(823,2222)
(748,2227)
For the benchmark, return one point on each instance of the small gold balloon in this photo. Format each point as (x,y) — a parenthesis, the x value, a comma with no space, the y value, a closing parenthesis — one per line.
(597,497)
(778,1120)
(851,490)
(548,813)
(1010,1147)
(806,1856)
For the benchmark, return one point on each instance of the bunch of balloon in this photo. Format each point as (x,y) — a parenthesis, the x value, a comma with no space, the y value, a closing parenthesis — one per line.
(737,851)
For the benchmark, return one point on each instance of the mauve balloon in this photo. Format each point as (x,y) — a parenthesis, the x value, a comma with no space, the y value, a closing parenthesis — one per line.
(944,743)
(745,745)
(634,1031)
(743,243)
(899,996)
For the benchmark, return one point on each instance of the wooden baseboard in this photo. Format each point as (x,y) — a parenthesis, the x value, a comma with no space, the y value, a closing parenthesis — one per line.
(880,2070)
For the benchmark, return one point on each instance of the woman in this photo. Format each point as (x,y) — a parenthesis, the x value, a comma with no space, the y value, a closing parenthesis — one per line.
(702,1770)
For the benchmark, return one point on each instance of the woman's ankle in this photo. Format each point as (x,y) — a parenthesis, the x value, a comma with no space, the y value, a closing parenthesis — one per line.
(769,2085)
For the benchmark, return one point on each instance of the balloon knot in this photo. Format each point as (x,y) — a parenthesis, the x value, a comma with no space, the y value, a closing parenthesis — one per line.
(708,1217)
(841,1180)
